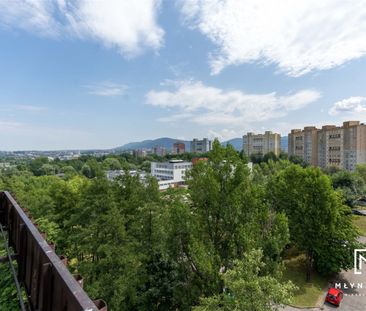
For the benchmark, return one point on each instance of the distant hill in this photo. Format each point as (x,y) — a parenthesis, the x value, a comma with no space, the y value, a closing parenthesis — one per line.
(237,143)
(168,142)
(165,142)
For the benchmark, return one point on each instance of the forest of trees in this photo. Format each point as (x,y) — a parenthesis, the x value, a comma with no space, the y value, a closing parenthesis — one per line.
(217,245)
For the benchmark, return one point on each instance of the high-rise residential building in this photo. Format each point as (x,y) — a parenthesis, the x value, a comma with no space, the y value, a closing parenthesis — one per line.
(140,153)
(179,148)
(201,146)
(303,143)
(159,150)
(340,146)
(262,143)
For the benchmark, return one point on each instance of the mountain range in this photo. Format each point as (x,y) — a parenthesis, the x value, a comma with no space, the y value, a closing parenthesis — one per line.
(167,142)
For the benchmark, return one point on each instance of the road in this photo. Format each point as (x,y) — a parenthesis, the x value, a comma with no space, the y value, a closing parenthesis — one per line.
(354,299)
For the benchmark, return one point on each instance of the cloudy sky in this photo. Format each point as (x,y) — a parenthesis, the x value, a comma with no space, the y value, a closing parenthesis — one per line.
(98,74)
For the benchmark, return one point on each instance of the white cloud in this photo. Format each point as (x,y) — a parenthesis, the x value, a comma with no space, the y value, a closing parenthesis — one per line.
(6,125)
(30,108)
(224,134)
(23,108)
(350,106)
(298,36)
(129,26)
(207,105)
(30,15)
(106,89)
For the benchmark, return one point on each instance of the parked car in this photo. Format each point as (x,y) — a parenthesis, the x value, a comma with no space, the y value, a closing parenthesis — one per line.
(334,296)
(359,212)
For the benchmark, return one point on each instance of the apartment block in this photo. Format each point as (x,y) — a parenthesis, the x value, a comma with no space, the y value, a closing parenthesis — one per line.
(159,150)
(179,148)
(340,146)
(303,143)
(262,143)
(201,146)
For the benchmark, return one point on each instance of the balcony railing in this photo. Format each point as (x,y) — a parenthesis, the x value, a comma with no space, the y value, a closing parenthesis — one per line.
(48,284)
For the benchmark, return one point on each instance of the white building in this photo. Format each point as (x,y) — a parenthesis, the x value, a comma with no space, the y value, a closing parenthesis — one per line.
(170,174)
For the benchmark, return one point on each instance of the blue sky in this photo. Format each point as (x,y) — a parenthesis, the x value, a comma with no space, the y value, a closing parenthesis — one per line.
(98,74)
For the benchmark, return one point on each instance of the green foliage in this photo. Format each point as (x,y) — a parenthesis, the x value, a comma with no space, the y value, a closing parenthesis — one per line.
(361,171)
(210,246)
(320,224)
(86,171)
(52,228)
(8,293)
(230,218)
(69,171)
(297,160)
(350,184)
(247,289)
(36,165)
(112,164)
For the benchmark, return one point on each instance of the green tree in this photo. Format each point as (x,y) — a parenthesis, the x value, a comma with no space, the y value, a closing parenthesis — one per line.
(319,222)
(86,171)
(36,165)
(69,171)
(361,171)
(297,160)
(256,158)
(47,169)
(270,156)
(350,184)
(248,289)
(112,164)
(230,217)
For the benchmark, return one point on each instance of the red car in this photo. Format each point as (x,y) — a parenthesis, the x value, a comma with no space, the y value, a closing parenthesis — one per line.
(334,296)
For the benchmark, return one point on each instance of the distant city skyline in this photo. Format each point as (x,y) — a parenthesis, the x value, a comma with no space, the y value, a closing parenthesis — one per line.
(97,75)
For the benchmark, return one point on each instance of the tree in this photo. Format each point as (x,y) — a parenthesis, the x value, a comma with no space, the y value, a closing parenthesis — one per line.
(47,169)
(231,217)
(69,171)
(318,220)
(86,171)
(244,156)
(36,165)
(297,160)
(256,158)
(283,156)
(361,171)
(248,289)
(112,164)
(270,156)
(350,184)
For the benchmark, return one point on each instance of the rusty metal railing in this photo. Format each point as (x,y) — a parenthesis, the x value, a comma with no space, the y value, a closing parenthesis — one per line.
(45,278)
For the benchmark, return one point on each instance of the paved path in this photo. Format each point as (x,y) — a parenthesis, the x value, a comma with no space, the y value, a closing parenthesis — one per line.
(354,299)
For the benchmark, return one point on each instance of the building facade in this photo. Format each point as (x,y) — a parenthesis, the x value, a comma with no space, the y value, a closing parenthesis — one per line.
(159,150)
(201,146)
(179,148)
(170,174)
(303,143)
(340,146)
(262,143)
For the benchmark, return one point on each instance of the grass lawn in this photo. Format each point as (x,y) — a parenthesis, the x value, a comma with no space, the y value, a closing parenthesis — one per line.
(307,294)
(360,222)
